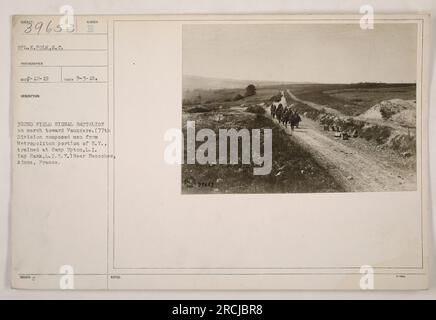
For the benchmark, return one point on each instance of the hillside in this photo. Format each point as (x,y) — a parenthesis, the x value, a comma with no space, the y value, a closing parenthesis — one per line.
(402,112)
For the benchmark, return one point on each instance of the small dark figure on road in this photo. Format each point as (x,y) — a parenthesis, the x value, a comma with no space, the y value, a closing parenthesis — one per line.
(345,135)
(273,110)
(298,120)
(286,116)
(295,120)
(279,112)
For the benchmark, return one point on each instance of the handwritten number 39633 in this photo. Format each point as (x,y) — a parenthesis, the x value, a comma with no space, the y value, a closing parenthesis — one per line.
(48,27)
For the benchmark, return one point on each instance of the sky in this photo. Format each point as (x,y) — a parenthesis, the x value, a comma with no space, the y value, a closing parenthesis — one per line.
(323,53)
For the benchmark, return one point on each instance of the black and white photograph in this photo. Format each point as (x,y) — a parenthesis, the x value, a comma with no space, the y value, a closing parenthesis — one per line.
(338,100)
(239,151)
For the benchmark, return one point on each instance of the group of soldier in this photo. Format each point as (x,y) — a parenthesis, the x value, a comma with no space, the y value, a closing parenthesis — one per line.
(285,115)
(342,127)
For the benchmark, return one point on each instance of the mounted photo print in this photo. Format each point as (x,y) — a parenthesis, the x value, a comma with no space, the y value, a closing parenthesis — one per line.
(250,152)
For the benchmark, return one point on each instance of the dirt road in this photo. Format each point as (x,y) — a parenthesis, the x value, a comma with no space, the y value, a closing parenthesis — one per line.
(355,169)
(335,112)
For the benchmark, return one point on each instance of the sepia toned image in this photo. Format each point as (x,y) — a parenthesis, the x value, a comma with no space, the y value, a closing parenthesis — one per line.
(220,152)
(337,101)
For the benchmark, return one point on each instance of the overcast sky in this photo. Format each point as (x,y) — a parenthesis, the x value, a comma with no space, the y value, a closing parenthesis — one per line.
(330,53)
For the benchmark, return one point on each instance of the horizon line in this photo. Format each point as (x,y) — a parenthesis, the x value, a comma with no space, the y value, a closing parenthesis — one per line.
(294,82)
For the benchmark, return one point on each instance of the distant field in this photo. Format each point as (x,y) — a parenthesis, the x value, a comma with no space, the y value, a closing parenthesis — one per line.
(201,96)
(352,99)
(349,99)
(226,97)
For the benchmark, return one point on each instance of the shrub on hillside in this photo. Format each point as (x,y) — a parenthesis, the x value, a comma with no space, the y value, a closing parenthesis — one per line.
(250,90)
(238,97)
(403,143)
(276,98)
(379,134)
(255,109)
(198,109)
(387,112)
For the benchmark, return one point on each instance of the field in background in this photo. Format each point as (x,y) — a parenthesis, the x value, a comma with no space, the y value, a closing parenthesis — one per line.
(227,97)
(352,99)
(349,99)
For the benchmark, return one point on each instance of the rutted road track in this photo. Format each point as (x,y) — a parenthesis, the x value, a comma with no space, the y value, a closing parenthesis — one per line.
(354,169)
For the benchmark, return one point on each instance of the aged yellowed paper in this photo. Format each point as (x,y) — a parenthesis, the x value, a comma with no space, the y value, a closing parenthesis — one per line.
(220,152)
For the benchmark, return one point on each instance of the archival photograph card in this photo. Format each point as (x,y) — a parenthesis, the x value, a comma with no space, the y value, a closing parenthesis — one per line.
(249,152)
